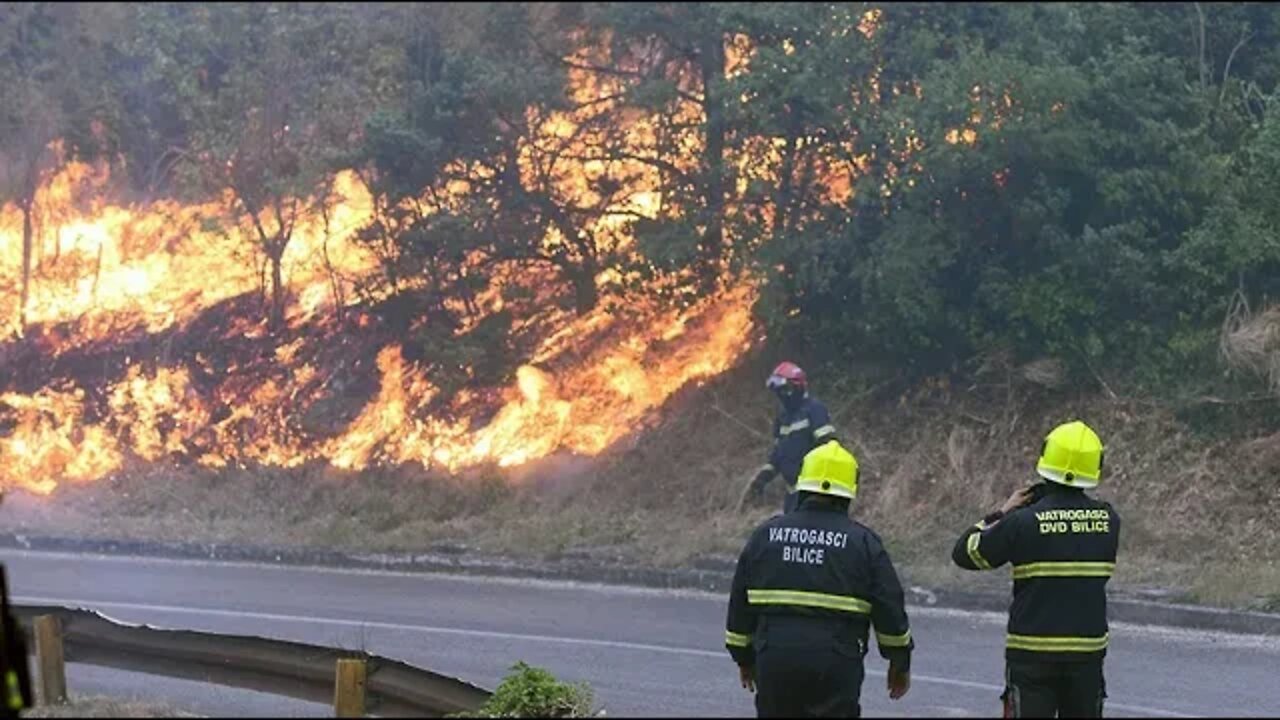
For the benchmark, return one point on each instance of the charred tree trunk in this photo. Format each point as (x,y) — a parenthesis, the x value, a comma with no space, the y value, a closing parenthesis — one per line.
(335,285)
(285,223)
(582,271)
(30,183)
(275,253)
(28,241)
(97,271)
(782,198)
(711,61)
(273,243)
(585,293)
(262,281)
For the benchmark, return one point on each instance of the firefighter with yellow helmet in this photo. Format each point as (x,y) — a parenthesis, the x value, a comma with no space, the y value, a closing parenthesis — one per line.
(1062,546)
(809,586)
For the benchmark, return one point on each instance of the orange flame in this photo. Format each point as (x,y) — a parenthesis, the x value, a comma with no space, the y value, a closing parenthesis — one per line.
(115,269)
(583,409)
(158,267)
(52,441)
(105,273)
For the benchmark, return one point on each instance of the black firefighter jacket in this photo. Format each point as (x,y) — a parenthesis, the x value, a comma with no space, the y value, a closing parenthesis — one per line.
(798,429)
(816,563)
(1063,550)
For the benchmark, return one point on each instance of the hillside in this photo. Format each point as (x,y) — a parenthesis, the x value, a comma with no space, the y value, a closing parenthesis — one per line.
(507,277)
(933,457)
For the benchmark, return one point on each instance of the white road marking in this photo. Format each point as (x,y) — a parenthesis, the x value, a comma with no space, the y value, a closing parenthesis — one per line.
(462,575)
(618,644)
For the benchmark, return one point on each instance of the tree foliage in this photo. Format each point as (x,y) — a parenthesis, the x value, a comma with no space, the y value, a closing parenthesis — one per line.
(916,182)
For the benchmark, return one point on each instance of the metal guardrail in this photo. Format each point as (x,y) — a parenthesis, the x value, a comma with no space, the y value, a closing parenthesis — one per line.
(297,670)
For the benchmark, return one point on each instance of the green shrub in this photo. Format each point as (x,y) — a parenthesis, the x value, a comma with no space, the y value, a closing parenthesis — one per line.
(534,692)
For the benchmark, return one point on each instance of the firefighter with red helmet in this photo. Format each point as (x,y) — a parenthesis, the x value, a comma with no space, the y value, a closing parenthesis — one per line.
(801,425)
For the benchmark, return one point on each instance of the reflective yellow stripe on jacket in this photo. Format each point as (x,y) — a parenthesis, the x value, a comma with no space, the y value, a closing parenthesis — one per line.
(733,639)
(972,546)
(1063,569)
(1036,643)
(802,598)
(893,641)
(14,690)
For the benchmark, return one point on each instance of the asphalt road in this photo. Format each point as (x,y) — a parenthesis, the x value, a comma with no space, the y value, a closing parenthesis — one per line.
(646,653)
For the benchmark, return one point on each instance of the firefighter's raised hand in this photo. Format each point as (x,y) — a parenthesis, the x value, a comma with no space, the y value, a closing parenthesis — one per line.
(898,683)
(747,675)
(1020,497)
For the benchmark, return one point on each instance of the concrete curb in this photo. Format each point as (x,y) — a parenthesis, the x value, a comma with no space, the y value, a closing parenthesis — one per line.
(708,575)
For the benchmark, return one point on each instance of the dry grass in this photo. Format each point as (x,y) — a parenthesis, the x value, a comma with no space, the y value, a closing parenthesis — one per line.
(1046,372)
(104,707)
(932,461)
(1250,342)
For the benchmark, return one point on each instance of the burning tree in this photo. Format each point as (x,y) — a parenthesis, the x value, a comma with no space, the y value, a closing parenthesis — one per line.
(258,101)
(28,130)
(49,52)
(534,182)
(487,137)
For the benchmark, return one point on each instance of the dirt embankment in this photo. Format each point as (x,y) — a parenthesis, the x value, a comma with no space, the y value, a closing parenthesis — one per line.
(1193,482)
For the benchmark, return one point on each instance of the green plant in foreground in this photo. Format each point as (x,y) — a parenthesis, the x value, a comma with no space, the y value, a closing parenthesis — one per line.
(534,692)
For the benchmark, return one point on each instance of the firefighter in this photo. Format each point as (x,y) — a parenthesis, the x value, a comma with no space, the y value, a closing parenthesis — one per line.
(807,588)
(15,694)
(1062,546)
(801,425)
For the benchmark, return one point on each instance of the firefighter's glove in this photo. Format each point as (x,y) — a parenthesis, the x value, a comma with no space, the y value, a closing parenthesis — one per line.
(754,487)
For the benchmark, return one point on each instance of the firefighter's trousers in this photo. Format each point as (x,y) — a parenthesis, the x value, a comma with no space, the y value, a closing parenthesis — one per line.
(808,682)
(1043,689)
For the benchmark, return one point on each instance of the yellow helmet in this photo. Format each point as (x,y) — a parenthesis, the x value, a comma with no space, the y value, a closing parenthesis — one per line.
(829,469)
(1072,456)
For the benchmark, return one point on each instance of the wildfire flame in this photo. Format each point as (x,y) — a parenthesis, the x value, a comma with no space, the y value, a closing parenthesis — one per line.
(103,273)
(120,293)
(116,269)
(52,441)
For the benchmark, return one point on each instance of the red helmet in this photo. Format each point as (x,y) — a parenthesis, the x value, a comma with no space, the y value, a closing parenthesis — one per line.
(787,373)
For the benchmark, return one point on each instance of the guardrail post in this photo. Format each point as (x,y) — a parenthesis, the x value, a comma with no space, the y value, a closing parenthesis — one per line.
(348,691)
(53,668)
